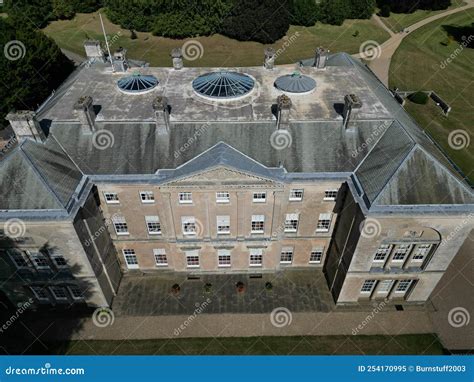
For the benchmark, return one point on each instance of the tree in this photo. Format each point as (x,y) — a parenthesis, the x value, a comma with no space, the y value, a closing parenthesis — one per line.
(385,10)
(304,12)
(63,9)
(334,11)
(32,68)
(264,21)
(361,9)
(33,13)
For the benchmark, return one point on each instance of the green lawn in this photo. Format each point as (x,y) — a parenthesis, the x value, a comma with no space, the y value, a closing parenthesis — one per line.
(418,65)
(398,21)
(426,344)
(218,50)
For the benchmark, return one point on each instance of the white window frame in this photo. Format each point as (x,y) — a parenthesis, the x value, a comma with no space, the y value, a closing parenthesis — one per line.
(147,197)
(53,293)
(388,286)
(259,197)
(256,253)
(130,252)
(34,289)
(323,218)
(421,250)
(222,197)
(384,249)
(221,254)
(70,288)
(188,220)
(319,251)
(258,219)
(153,220)
(40,256)
(293,197)
(407,253)
(408,284)
(113,200)
(194,253)
(120,220)
(185,198)
(286,251)
(158,253)
(329,194)
(13,253)
(223,221)
(289,218)
(371,282)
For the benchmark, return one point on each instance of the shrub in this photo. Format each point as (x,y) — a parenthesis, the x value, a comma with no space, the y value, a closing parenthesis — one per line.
(420,98)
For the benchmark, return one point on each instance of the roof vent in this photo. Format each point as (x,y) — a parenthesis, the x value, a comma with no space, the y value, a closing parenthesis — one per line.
(295,83)
(137,84)
(223,85)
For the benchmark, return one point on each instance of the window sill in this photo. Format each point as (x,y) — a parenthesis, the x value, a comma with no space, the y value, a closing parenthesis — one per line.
(122,233)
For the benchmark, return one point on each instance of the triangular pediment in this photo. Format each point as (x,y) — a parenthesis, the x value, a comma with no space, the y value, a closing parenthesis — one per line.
(221,175)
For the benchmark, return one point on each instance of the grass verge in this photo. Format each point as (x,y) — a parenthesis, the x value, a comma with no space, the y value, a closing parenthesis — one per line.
(421,63)
(299,42)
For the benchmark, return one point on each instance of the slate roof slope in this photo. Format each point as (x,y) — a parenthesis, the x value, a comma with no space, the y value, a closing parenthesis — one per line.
(37,176)
(21,186)
(315,146)
(383,161)
(420,179)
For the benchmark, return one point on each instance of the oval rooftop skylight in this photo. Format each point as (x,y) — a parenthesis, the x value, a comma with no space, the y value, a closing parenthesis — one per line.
(295,83)
(223,85)
(137,84)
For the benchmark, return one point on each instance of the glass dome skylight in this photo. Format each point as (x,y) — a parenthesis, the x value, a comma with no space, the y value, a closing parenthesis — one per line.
(223,85)
(137,84)
(295,83)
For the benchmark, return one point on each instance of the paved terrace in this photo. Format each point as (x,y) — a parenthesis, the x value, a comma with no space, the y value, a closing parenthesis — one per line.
(150,295)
